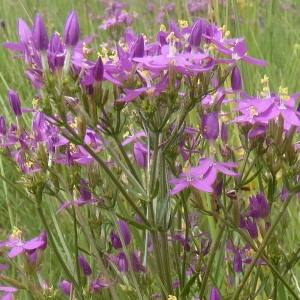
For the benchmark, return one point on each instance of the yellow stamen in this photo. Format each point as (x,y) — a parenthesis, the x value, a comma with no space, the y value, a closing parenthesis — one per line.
(86,51)
(249,253)
(35,103)
(284,93)
(265,80)
(16,233)
(187,167)
(162,28)
(253,112)
(183,23)
(171,38)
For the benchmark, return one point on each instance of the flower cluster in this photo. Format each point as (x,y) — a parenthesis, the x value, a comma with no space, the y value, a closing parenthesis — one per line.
(139,150)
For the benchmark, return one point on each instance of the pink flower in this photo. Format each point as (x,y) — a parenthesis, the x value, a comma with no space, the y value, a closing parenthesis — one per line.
(193,177)
(17,245)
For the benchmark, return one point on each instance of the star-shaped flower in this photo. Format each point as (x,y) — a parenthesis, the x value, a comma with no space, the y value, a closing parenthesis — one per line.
(193,177)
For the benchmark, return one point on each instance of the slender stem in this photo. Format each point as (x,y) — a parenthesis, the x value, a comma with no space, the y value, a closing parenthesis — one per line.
(186,219)
(254,285)
(53,246)
(93,245)
(164,195)
(76,245)
(253,246)
(32,287)
(261,248)
(154,162)
(275,284)
(158,260)
(110,174)
(8,203)
(166,261)
(243,167)
(213,253)
(127,160)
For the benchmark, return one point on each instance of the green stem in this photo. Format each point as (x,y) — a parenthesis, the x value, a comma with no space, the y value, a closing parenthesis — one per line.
(53,245)
(166,262)
(164,195)
(243,167)
(213,253)
(253,246)
(127,160)
(109,173)
(33,290)
(76,245)
(254,285)
(159,262)
(261,248)
(154,162)
(186,220)
(274,293)
(93,245)
(8,203)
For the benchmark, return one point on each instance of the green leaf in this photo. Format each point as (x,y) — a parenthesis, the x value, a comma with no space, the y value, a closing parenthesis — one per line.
(263,283)
(246,181)
(295,189)
(186,290)
(134,223)
(162,212)
(155,191)
(281,292)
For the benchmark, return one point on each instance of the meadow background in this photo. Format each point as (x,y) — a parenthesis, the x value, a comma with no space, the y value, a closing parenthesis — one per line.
(272,33)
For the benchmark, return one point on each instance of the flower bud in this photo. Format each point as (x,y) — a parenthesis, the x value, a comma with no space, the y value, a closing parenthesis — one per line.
(39,34)
(259,207)
(214,294)
(115,240)
(252,228)
(137,49)
(121,261)
(43,237)
(15,103)
(84,265)
(236,80)
(2,126)
(237,263)
(224,134)
(65,287)
(98,70)
(24,32)
(210,126)
(71,29)
(135,263)
(196,34)
(140,154)
(125,231)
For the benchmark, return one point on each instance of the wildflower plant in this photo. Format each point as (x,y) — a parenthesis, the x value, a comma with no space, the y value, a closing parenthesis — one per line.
(170,178)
